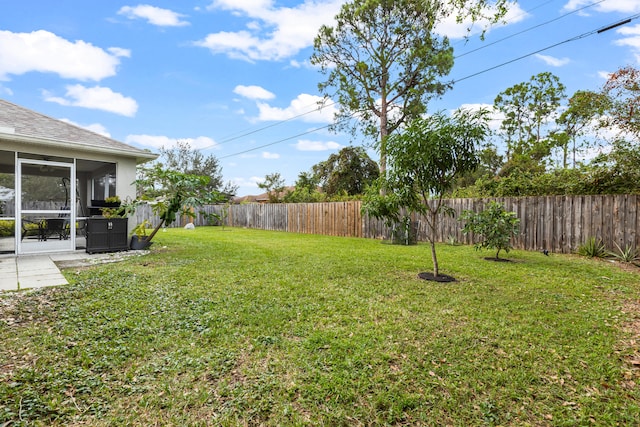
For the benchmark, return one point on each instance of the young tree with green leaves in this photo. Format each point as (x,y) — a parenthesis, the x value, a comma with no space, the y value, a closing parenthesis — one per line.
(170,192)
(424,162)
(384,60)
(494,225)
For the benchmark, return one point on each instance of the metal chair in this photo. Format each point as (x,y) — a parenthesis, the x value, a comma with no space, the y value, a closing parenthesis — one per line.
(55,226)
(32,228)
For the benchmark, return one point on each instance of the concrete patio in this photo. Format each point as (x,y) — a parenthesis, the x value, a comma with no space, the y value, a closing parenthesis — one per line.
(37,271)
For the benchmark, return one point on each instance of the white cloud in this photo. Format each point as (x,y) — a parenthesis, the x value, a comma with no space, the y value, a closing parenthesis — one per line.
(201,142)
(268,155)
(275,33)
(306,107)
(308,145)
(244,182)
(272,33)
(253,92)
(306,64)
(604,74)
(120,52)
(153,15)
(161,141)
(631,39)
(624,6)
(5,90)
(94,127)
(552,61)
(154,141)
(98,98)
(45,52)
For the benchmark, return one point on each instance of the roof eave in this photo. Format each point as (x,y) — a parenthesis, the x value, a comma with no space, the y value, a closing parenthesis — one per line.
(140,155)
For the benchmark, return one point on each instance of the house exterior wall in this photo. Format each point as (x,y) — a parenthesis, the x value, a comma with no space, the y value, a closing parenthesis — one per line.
(125,176)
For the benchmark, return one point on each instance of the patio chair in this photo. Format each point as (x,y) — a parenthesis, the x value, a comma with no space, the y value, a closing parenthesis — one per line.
(55,226)
(32,228)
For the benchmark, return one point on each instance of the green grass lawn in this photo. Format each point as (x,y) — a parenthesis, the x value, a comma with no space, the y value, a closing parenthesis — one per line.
(244,327)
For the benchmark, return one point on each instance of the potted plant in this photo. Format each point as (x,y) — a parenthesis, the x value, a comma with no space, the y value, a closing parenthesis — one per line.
(115,208)
(139,236)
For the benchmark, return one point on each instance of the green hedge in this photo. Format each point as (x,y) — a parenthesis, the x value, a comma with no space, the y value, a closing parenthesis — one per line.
(7,228)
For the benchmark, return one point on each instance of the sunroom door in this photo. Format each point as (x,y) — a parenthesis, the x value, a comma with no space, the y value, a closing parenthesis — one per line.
(46,217)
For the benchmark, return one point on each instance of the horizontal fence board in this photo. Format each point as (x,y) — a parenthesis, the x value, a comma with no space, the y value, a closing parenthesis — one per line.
(555,223)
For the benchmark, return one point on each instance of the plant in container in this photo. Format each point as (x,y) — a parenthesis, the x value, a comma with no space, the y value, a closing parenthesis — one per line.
(139,236)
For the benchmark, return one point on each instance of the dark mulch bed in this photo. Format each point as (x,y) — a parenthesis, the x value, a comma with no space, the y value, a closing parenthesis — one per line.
(442,278)
(490,258)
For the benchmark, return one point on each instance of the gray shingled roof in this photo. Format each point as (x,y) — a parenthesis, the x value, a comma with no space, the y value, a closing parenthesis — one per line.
(28,123)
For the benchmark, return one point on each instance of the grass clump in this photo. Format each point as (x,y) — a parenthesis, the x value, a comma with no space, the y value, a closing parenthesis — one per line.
(247,327)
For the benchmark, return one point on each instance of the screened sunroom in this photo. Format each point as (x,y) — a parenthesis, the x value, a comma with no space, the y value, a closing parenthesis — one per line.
(52,175)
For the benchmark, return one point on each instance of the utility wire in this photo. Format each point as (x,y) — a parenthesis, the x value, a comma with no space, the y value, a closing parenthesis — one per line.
(282,140)
(524,13)
(484,46)
(578,37)
(279,122)
(581,36)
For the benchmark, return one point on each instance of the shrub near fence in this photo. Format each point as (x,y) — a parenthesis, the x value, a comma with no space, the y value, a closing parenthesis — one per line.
(556,223)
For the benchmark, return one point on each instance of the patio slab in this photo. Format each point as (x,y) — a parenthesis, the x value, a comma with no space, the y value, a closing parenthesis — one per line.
(38,271)
(9,281)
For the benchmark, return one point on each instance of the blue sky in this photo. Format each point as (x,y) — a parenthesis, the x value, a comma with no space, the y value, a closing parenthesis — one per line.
(233,77)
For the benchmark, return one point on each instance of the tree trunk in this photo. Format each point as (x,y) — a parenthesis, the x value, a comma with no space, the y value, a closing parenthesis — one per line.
(384,131)
(432,240)
(155,230)
(434,258)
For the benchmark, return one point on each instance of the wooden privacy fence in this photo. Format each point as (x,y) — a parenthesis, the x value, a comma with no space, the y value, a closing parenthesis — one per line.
(556,223)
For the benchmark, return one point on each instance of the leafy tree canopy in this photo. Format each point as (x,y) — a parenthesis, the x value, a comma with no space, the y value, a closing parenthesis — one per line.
(347,172)
(384,60)
(623,90)
(274,185)
(182,158)
(527,108)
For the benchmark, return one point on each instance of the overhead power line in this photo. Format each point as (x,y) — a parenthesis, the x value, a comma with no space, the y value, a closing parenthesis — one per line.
(279,122)
(581,36)
(282,140)
(526,30)
(575,38)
